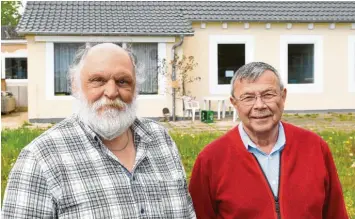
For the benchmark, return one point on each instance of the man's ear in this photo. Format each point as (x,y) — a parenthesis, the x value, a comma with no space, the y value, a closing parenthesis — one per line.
(233,101)
(284,95)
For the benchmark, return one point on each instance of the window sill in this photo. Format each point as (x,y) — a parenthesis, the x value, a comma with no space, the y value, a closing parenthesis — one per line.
(139,97)
(16,82)
(304,88)
(151,96)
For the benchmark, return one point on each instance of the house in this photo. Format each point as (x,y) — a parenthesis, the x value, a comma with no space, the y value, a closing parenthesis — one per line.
(14,64)
(312,44)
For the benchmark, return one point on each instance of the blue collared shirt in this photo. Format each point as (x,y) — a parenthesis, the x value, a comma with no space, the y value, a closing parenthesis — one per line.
(270,163)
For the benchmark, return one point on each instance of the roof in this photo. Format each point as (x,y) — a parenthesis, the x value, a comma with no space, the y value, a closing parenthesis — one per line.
(168,18)
(9,33)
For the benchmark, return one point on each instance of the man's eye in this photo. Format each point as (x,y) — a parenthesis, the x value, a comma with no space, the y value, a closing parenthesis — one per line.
(122,82)
(97,80)
(247,98)
(268,95)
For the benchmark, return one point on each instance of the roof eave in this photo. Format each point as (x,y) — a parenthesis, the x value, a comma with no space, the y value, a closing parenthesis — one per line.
(100,34)
(273,21)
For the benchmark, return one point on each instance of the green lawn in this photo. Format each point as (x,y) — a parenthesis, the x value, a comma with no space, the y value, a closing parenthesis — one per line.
(341,143)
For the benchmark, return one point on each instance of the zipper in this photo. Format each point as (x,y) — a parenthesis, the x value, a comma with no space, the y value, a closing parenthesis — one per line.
(276,198)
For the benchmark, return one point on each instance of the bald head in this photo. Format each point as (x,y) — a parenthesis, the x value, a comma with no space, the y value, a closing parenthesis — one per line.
(95,58)
(105,54)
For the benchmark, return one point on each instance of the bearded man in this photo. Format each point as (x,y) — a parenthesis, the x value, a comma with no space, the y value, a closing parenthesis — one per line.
(102,162)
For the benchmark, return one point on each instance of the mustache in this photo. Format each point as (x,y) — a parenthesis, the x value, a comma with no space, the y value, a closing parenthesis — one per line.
(104,102)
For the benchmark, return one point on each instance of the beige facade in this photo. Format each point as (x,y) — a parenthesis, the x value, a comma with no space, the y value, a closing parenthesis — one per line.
(11,48)
(331,91)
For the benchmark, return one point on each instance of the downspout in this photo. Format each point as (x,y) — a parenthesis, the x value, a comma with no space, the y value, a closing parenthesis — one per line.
(173,73)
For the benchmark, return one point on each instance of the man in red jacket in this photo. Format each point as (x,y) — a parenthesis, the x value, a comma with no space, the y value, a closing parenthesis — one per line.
(265,168)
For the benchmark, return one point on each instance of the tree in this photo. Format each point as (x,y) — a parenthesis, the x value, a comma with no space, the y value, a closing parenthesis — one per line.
(10,12)
(183,66)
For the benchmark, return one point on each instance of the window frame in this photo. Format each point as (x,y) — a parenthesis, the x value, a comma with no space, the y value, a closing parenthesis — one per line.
(21,53)
(214,40)
(317,41)
(50,89)
(351,63)
(5,58)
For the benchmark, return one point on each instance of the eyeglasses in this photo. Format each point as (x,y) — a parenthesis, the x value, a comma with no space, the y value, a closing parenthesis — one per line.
(250,99)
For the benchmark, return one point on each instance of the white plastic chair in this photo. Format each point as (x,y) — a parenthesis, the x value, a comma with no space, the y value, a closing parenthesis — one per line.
(235,114)
(191,106)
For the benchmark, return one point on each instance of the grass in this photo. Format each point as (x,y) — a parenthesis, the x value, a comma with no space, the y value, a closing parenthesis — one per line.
(342,145)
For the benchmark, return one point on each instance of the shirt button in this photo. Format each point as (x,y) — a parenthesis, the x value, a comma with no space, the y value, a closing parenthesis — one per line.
(274,182)
(142,211)
(133,178)
(270,158)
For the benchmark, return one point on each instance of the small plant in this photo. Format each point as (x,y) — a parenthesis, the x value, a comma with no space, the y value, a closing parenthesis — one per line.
(26,124)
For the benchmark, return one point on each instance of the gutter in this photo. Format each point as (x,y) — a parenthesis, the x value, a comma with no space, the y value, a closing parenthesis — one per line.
(173,74)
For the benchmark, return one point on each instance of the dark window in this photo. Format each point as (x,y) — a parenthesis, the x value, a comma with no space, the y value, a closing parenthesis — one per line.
(301,63)
(230,58)
(16,68)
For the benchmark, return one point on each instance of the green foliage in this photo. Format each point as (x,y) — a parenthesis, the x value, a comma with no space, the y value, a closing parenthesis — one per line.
(12,141)
(9,12)
(341,143)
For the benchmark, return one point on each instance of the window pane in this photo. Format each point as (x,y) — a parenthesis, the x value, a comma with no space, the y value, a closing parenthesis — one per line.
(63,57)
(301,63)
(230,58)
(16,68)
(147,58)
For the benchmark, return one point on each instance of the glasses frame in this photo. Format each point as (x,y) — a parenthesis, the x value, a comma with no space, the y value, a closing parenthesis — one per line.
(277,94)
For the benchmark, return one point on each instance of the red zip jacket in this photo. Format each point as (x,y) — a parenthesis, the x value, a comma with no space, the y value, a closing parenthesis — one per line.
(228,183)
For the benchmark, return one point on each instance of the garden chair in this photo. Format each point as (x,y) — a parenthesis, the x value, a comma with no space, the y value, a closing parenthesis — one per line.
(191,106)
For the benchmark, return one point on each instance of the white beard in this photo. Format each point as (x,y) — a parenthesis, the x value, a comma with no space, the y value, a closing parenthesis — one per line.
(110,122)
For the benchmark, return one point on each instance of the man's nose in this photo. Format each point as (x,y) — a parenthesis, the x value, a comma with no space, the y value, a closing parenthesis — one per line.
(111,89)
(259,103)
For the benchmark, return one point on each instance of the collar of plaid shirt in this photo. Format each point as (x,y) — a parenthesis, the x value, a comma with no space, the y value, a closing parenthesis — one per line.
(68,173)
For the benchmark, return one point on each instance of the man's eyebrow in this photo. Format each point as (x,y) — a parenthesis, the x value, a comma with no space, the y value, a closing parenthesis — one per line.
(253,93)
(267,90)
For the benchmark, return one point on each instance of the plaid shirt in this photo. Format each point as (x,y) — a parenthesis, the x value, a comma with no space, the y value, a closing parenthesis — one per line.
(67,172)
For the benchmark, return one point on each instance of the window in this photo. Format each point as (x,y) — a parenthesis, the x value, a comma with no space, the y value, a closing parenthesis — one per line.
(300,63)
(230,58)
(63,57)
(147,59)
(145,53)
(351,63)
(16,68)
(227,53)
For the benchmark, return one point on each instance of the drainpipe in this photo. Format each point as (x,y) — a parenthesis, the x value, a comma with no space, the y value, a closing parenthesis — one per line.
(173,73)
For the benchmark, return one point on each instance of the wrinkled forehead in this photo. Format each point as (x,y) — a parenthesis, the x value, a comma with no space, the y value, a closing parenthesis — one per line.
(267,81)
(109,60)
